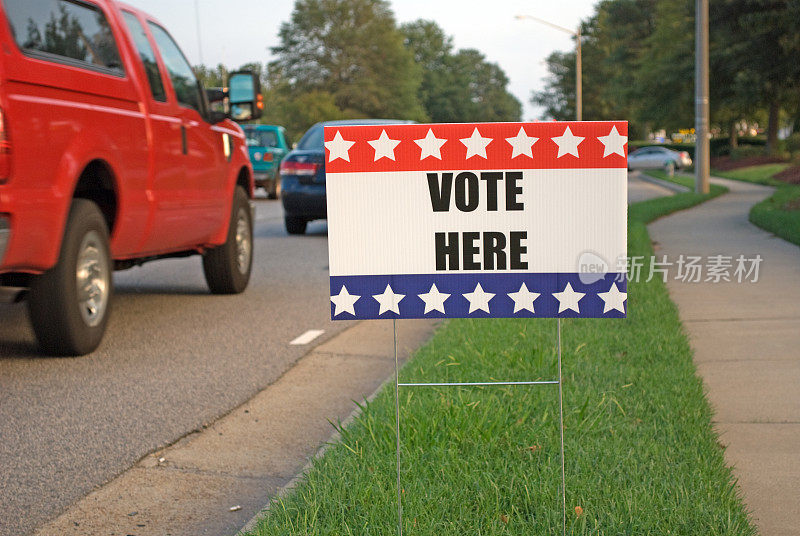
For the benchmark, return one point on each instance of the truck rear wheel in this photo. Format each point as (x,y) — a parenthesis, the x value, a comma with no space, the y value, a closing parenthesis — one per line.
(69,305)
(227,267)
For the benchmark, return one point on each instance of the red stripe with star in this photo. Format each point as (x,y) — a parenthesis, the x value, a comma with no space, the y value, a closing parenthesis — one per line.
(499,152)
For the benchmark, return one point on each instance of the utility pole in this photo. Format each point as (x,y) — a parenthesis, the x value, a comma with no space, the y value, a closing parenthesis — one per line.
(578,77)
(702,153)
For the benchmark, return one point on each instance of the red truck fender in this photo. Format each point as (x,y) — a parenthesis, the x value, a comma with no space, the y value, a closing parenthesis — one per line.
(238,175)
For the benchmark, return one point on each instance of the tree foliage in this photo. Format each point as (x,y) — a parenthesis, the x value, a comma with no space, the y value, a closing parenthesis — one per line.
(639,64)
(353,51)
(340,59)
(458,86)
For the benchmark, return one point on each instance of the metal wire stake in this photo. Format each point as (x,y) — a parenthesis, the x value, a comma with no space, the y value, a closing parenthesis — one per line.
(397,430)
(561,429)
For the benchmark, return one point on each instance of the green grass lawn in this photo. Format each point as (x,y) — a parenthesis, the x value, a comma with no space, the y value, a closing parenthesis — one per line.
(641,454)
(758,174)
(779,214)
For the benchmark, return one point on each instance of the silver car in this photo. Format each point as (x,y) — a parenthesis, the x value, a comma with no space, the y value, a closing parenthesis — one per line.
(658,157)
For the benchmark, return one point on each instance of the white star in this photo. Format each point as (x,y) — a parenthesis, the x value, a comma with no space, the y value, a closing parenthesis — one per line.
(522,144)
(614,299)
(430,145)
(338,148)
(568,299)
(478,299)
(389,301)
(384,146)
(345,302)
(614,143)
(523,299)
(434,300)
(568,143)
(476,144)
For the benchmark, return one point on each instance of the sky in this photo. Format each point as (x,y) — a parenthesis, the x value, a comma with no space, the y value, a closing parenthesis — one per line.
(234,32)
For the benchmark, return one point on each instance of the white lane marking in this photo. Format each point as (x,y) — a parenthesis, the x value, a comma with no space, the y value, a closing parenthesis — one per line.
(308,336)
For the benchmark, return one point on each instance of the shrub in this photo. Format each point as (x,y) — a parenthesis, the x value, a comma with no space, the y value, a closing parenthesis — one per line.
(792,144)
(746,151)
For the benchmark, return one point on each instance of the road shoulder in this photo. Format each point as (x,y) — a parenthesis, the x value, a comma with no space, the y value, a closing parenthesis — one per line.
(238,462)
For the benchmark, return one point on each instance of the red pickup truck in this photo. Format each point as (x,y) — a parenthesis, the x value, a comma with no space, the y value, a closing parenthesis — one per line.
(111,156)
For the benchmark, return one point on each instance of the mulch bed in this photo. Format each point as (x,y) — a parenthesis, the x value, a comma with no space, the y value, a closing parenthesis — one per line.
(726,163)
(790,175)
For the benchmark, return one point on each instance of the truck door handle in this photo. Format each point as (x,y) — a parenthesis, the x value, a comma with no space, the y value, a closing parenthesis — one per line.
(184,142)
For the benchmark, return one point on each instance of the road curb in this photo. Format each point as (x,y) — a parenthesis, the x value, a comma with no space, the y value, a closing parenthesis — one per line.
(677,188)
(331,441)
(217,480)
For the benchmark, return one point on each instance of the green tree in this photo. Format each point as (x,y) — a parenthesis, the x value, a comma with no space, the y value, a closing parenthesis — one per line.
(612,41)
(558,97)
(664,77)
(760,42)
(461,86)
(431,48)
(639,62)
(353,51)
(478,91)
(212,77)
(298,113)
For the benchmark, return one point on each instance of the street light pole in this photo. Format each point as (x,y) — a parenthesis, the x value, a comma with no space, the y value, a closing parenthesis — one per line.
(578,80)
(702,153)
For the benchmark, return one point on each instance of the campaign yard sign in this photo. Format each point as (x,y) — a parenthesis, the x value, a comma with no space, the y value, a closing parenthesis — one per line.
(477,220)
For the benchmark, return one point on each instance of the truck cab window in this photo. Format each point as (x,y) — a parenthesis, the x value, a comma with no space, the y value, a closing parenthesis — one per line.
(65,31)
(187,89)
(146,54)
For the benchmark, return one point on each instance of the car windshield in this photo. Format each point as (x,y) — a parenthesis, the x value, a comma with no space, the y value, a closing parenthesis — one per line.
(261,138)
(313,139)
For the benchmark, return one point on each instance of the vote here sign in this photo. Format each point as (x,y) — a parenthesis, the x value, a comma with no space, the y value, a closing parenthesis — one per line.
(477,220)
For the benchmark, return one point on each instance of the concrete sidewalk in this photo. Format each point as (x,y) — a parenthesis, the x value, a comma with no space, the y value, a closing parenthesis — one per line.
(642,187)
(746,338)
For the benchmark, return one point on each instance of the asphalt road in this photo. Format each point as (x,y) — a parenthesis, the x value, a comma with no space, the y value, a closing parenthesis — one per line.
(174,358)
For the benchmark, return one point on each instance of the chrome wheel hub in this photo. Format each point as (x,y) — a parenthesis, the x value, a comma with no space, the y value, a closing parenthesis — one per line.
(244,242)
(93,277)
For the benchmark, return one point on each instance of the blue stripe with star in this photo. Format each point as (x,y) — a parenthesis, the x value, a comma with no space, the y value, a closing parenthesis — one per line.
(560,295)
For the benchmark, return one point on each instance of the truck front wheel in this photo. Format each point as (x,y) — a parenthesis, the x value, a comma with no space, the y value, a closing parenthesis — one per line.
(227,267)
(69,305)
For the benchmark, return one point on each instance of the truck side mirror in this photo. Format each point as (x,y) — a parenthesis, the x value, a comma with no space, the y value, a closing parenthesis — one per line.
(244,96)
(217,111)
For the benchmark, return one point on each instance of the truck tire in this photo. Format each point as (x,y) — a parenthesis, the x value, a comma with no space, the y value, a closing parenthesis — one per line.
(295,225)
(227,267)
(69,305)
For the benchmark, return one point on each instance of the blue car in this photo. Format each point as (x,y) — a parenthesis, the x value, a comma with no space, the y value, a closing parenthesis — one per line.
(303,175)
